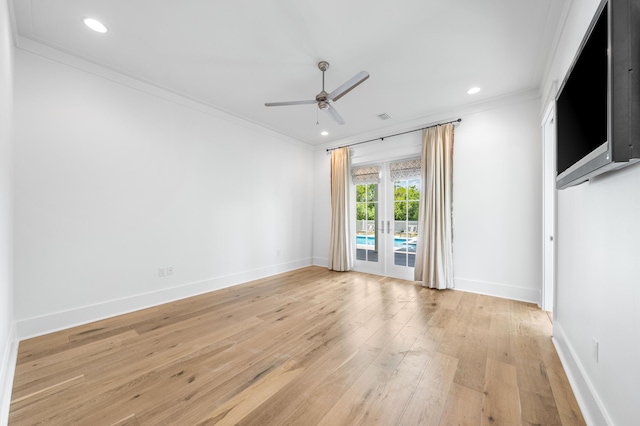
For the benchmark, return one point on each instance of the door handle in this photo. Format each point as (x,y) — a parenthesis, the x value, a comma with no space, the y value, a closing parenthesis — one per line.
(382,226)
(388,227)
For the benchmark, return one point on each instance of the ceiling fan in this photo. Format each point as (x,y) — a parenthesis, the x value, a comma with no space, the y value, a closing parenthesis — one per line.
(323,98)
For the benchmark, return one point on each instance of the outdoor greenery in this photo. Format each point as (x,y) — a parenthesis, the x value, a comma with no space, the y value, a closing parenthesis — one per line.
(406,196)
(406,201)
(365,211)
(366,201)
(367,192)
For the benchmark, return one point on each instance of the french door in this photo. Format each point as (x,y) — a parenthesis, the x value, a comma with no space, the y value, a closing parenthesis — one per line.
(386,224)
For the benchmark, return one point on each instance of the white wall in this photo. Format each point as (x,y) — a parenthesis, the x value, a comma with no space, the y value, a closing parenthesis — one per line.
(321,207)
(497,202)
(598,276)
(497,196)
(8,345)
(113,183)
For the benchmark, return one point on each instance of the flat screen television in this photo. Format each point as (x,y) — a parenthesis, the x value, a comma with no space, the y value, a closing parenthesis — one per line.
(598,104)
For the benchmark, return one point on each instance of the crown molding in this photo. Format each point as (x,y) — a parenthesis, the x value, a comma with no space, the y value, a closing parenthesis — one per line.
(435,118)
(147,87)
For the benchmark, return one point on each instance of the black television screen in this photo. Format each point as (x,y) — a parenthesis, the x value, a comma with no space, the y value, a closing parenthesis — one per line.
(581,109)
(598,105)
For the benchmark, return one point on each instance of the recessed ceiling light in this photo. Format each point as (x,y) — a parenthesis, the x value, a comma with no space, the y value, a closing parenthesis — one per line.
(95,25)
(473,90)
(324,133)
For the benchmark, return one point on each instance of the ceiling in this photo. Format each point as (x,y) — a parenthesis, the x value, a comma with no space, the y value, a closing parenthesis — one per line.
(235,55)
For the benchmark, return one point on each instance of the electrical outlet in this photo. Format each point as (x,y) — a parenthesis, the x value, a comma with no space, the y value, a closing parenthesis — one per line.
(169,270)
(594,349)
(162,272)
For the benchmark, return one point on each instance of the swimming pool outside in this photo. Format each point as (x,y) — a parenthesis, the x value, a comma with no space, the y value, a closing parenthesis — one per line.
(370,242)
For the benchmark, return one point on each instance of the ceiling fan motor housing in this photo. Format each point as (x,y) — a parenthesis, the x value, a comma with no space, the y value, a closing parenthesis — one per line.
(321,98)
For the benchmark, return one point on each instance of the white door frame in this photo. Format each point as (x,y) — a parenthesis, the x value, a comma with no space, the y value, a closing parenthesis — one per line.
(393,270)
(384,220)
(376,268)
(549,209)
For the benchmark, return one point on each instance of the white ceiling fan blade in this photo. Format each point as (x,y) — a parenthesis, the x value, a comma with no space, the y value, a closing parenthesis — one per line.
(290,103)
(334,114)
(348,86)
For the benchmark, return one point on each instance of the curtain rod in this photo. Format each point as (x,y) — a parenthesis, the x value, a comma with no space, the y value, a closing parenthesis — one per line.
(459,120)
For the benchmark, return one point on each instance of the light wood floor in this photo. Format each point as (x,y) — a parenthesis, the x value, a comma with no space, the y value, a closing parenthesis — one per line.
(306,347)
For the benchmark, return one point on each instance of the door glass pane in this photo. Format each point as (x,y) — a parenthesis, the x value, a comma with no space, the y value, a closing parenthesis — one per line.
(414,189)
(400,210)
(406,204)
(372,192)
(399,190)
(412,211)
(366,224)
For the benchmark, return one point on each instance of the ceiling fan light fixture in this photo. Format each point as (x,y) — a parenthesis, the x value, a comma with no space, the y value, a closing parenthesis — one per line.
(324,99)
(95,25)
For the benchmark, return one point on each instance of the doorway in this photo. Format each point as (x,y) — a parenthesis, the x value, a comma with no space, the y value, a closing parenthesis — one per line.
(549,194)
(386,222)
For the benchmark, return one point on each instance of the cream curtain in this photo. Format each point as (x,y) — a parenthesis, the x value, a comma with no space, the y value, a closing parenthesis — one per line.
(340,246)
(434,252)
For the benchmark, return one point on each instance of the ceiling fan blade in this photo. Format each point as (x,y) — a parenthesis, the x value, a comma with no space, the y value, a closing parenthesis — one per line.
(348,86)
(290,103)
(334,114)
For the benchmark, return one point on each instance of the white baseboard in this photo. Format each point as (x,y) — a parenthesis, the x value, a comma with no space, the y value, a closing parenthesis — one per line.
(480,287)
(499,290)
(321,261)
(590,404)
(7,370)
(45,324)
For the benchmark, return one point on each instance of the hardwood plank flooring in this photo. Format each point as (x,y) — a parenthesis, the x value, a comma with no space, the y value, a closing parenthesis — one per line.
(309,347)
